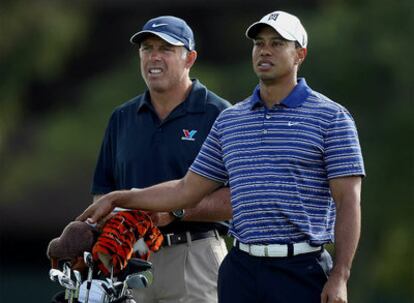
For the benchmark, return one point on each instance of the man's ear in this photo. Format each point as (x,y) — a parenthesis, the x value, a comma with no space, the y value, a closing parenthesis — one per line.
(191,58)
(301,55)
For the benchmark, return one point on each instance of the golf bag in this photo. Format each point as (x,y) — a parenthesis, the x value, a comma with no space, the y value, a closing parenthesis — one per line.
(97,288)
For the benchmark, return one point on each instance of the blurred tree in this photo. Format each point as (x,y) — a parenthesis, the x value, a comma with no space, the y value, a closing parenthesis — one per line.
(36,40)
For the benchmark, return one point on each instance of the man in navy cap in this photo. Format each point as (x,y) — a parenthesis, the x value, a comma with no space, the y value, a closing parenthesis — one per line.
(294,165)
(155,137)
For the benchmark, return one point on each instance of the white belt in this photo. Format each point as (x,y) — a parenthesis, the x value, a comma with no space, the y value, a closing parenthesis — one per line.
(276,250)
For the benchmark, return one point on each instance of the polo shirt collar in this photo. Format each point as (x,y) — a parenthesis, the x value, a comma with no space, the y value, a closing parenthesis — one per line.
(144,101)
(195,101)
(295,99)
(197,98)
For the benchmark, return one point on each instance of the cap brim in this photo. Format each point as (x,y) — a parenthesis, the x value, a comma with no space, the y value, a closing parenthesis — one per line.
(253,29)
(138,37)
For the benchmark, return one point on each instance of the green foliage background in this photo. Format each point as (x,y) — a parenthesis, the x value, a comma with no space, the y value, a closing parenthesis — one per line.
(66,64)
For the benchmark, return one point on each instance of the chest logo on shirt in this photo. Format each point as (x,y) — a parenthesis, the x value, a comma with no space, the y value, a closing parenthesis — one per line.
(188,135)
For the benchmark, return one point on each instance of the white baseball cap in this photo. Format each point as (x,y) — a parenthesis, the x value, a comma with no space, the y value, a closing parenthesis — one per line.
(287,25)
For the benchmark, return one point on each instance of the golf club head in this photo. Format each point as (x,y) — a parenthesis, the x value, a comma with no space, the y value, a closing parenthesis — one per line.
(139,280)
(54,274)
(107,289)
(114,290)
(66,269)
(118,286)
(138,265)
(66,282)
(78,276)
(87,258)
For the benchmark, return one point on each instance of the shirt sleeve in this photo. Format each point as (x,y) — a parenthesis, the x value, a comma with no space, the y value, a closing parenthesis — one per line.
(343,156)
(103,179)
(209,161)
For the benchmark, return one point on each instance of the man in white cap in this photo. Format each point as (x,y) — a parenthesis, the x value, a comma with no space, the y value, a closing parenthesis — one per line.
(154,138)
(294,165)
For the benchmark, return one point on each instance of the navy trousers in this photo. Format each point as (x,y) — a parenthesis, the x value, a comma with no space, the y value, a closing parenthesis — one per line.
(298,279)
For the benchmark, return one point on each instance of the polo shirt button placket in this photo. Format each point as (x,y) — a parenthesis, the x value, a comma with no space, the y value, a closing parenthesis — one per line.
(158,135)
(265,124)
(266,118)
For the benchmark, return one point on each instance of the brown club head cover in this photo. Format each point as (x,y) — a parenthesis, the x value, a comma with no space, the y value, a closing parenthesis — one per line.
(76,238)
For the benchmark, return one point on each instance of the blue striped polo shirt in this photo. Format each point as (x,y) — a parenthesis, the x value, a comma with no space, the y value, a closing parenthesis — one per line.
(278,163)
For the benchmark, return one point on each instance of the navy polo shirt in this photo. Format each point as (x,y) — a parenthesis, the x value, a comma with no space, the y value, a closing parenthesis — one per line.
(139,150)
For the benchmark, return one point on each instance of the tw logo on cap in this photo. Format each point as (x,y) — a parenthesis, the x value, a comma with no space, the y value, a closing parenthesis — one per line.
(188,135)
(273,16)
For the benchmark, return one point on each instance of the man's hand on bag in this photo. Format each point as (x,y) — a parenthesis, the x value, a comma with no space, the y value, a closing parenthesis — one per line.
(97,210)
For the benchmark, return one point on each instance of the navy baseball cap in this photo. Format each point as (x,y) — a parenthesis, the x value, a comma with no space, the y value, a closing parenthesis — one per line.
(171,29)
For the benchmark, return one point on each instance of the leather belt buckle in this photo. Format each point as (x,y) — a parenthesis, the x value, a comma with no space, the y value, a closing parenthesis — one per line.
(171,239)
(168,238)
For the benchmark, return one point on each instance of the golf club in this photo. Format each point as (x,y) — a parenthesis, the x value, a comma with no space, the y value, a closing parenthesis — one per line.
(78,278)
(87,257)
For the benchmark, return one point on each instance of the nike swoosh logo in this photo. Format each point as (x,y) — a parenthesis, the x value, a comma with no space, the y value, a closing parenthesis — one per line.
(290,123)
(158,24)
